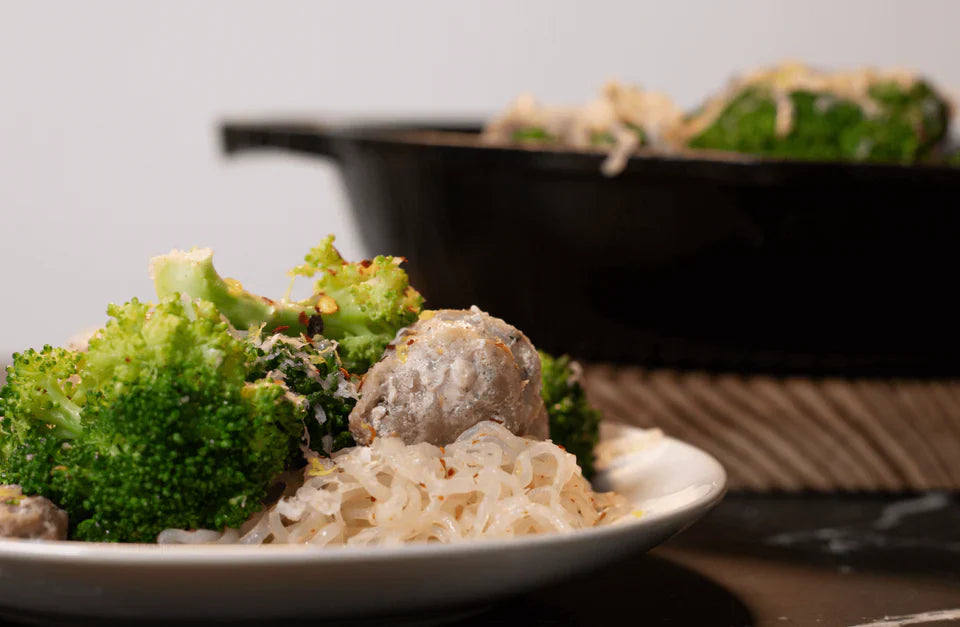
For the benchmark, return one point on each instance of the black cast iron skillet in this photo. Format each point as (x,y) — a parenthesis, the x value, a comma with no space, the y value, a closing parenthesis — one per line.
(692,261)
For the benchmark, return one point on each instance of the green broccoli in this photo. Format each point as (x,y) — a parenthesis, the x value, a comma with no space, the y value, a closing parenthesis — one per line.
(574,425)
(534,134)
(193,273)
(361,305)
(598,139)
(156,426)
(312,371)
(606,139)
(900,125)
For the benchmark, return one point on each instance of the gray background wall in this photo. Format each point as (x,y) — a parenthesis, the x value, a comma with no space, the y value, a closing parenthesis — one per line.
(107,111)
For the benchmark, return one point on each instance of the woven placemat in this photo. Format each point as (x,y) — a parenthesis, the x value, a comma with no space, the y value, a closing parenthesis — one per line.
(796,433)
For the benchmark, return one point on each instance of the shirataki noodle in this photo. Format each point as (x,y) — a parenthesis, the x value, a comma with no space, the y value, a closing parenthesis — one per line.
(488,484)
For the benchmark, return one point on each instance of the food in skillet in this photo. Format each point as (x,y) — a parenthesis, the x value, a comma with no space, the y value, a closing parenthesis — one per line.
(620,120)
(789,111)
(797,112)
(353,416)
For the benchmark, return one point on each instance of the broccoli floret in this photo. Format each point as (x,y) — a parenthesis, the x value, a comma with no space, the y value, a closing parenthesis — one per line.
(574,425)
(599,139)
(312,371)
(532,134)
(39,383)
(192,273)
(361,305)
(640,132)
(156,426)
(903,125)
(41,410)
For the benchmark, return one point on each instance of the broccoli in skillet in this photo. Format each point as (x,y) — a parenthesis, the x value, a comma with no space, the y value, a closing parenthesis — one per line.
(532,134)
(361,305)
(574,425)
(794,112)
(621,116)
(159,424)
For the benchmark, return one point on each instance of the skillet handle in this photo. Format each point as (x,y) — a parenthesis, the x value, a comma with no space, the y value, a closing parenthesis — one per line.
(237,137)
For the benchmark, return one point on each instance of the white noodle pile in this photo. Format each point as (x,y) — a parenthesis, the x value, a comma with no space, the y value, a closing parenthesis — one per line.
(488,484)
(618,108)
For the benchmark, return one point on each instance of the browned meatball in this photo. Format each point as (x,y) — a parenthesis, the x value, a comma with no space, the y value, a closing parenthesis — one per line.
(30,517)
(447,372)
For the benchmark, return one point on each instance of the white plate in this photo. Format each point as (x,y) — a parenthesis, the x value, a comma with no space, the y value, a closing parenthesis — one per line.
(671,482)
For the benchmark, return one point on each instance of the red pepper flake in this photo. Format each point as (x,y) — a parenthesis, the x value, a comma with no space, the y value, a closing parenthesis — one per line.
(126,359)
(503,347)
(268,301)
(390,347)
(440,497)
(451,472)
(304,320)
(499,421)
(366,263)
(410,341)
(443,463)
(373,499)
(282,328)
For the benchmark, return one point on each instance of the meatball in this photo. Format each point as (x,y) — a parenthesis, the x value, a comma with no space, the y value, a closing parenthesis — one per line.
(447,372)
(30,517)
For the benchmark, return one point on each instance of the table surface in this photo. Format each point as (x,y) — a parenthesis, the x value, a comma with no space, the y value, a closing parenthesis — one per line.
(756,560)
(776,560)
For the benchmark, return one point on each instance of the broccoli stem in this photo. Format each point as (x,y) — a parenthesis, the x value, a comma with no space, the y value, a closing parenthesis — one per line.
(347,322)
(360,305)
(63,414)
(193,273)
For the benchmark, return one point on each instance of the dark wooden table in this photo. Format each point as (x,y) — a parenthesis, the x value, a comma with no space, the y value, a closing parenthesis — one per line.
(758,560)
(774,560)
